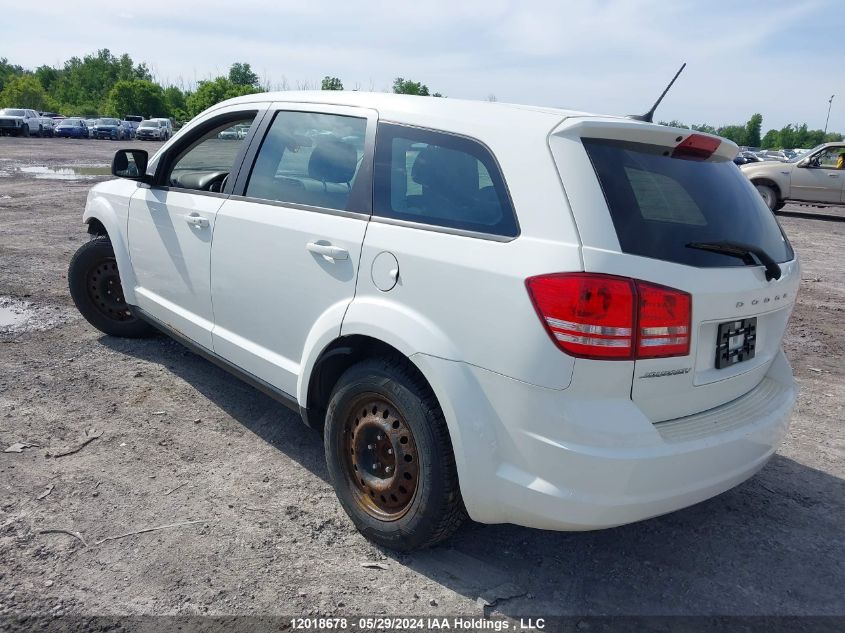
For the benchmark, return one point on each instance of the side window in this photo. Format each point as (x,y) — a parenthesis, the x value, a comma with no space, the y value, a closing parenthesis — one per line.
(830,158)
(203,161)
(440,179)
(309,158)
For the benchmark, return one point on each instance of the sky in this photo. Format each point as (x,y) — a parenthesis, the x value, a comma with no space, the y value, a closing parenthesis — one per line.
(782,58)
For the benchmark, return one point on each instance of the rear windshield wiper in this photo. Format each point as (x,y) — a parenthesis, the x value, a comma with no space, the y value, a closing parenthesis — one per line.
(752,255)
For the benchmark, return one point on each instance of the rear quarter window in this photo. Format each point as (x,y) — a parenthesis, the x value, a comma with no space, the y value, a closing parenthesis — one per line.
(439,179)
(659,204)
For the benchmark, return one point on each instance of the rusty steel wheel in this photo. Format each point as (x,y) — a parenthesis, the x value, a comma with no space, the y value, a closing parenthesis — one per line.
(105,291)
(382,461)
(389,455)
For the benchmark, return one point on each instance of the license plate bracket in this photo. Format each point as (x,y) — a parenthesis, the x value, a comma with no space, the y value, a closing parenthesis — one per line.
(735,342)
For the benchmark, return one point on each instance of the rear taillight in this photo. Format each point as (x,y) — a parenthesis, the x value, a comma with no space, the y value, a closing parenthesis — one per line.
(613,318)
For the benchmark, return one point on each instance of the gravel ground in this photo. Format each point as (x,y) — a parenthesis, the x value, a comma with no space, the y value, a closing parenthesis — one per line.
(259,529)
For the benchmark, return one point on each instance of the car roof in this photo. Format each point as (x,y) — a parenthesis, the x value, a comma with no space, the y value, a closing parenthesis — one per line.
(443,113)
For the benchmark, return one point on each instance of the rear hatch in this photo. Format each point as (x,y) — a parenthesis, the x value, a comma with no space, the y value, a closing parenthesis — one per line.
(669,207)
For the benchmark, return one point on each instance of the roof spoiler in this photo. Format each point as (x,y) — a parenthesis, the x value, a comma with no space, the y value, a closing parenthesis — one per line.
(648,117)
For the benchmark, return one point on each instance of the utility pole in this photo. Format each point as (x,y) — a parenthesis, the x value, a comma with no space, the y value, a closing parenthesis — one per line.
(829,104)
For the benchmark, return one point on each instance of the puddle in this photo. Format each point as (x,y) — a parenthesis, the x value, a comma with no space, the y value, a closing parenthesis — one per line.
(18,316)
(10,317)
(70,172)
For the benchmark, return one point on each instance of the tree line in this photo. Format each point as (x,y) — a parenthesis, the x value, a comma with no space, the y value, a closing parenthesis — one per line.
(790,136)
(104,84)
(108,85)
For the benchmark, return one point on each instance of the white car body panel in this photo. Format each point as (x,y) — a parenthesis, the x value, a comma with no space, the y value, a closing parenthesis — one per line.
(540,438)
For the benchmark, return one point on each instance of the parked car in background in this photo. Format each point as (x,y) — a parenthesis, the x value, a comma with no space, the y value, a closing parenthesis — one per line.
(90,123)
(47,127)
(817,177)
(166,128)
(20,122)
(132,121)
(776,155)
(110,128)
(73,127)
(469,336)
(229,134)
(150,130)
(746,157)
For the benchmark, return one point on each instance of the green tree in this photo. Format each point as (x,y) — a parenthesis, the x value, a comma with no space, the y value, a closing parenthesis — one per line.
(735,133)
(24,91)
(704,127)
(214,91)
(8,71)
(174,100)
(241,74)
(770,140)
(135,96)
(407,87)
(753,129)
(83,84)
(331,83)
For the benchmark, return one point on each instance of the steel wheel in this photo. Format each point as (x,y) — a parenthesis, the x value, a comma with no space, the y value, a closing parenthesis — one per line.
(105,291)
(382,461)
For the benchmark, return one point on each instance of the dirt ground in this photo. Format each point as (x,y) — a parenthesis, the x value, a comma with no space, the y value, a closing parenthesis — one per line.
(184,443)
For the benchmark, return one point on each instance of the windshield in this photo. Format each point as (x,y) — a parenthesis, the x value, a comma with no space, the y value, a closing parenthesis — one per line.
(802,153)
(12,112)
(660,204)
(71,122)
(107,122)
(148,124)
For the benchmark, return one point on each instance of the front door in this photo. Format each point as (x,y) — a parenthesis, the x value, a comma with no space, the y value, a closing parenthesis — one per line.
(822,178)
(171,224)
(286,249)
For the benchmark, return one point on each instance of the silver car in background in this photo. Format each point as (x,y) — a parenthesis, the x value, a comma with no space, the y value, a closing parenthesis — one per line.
(816,177)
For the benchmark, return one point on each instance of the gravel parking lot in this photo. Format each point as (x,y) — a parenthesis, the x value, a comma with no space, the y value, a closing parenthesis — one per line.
(259,528)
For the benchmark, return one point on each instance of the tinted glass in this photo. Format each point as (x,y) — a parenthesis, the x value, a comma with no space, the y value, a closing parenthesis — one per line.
(207,159)
(309,158)
(440,179)
(659,204)
(12,112)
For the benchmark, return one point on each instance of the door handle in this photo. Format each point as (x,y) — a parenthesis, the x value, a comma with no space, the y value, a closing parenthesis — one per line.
(833,175)
(196,220)
(327,250)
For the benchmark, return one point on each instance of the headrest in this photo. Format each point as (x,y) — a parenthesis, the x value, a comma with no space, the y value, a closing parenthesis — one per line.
(333,160)
(446,169)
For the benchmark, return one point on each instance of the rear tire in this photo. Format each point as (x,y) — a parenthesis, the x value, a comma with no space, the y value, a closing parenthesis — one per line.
(96,290)
(769,195)
(390,458)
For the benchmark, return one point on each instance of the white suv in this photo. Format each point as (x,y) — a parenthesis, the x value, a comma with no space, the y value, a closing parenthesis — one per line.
(525,315)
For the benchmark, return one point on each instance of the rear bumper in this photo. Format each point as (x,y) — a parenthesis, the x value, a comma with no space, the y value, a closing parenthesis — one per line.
(540,458)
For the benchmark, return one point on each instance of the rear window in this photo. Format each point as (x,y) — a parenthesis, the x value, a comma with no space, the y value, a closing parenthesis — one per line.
(659,204)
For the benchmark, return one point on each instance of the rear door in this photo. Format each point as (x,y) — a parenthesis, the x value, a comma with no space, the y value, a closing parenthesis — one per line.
(641,205)
(286,247)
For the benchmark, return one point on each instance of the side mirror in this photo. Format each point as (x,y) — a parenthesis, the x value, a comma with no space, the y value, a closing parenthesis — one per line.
(131,164)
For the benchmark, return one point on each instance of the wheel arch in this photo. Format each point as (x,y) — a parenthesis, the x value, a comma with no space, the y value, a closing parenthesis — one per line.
(762,180)
(101,219)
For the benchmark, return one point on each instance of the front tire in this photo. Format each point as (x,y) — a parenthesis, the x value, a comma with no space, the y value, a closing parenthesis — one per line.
(769,195)
(96,290)
(25,131)
(390,458)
